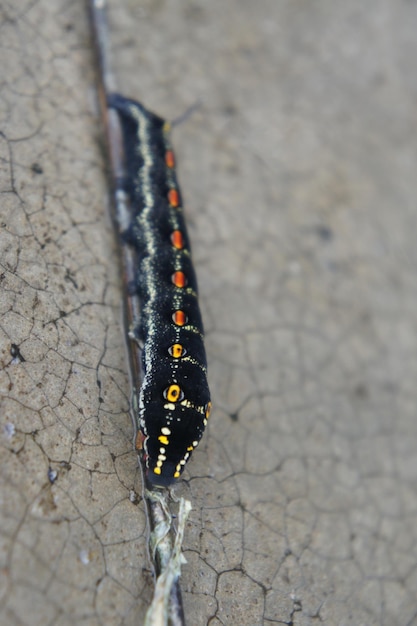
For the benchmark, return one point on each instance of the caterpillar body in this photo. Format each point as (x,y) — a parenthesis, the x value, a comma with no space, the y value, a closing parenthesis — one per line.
(173,403)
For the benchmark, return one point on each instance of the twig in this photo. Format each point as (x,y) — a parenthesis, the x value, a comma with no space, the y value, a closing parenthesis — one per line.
(167,600)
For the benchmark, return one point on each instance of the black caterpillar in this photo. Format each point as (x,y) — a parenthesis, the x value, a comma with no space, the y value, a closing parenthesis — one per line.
(174,399)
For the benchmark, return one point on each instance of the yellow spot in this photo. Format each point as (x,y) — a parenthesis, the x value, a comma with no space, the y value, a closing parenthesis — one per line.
(173,393)
(190,448)
(176,351)
(156,470)
(163,440)
(176,474)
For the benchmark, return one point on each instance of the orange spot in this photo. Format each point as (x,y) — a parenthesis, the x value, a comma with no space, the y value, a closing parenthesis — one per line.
(179,318)
(169,158)
(177,239)
(173,197)
(179,279)
(208,409)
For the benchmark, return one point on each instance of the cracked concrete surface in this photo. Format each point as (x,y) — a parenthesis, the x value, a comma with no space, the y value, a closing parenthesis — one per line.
(298,172)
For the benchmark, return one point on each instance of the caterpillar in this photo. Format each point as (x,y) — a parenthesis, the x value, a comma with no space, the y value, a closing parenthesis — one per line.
(173,403)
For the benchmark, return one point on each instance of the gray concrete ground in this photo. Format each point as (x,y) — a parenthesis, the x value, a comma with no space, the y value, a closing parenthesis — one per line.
(299,176)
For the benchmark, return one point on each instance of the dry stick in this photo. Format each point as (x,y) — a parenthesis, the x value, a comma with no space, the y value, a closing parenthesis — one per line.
(166,607)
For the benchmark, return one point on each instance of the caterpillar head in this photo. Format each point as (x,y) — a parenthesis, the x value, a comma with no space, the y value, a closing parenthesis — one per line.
(170,431)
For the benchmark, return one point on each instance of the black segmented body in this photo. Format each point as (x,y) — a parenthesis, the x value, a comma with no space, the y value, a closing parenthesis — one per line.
(174,399)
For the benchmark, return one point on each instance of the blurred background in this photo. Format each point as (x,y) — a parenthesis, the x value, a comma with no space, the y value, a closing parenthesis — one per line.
(298,172)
